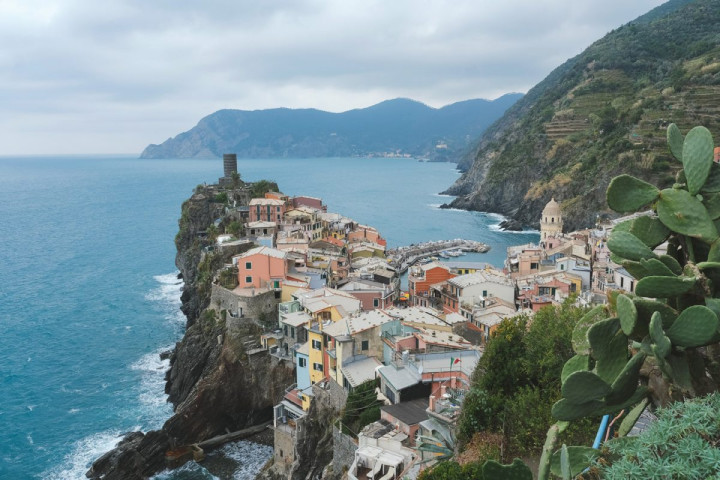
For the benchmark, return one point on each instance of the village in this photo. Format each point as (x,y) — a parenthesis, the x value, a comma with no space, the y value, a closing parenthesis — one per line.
(329,293)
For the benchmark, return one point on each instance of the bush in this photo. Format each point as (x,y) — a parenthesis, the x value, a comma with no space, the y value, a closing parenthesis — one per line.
(683,443)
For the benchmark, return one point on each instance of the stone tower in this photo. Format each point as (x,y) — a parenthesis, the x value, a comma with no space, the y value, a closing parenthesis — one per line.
(551,223)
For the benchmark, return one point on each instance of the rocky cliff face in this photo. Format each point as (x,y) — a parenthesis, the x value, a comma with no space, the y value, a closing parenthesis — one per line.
(599,114)
(217,382)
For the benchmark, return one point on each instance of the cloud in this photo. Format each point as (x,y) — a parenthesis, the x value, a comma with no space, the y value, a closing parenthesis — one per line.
(131,72)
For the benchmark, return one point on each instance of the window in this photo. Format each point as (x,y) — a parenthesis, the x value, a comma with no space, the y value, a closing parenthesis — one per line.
(365,345)
(376,302)
(248,279)
(292,332)
(248,265)
(317,345)
(285,329)
(302,362)
(318,367)
(484,293)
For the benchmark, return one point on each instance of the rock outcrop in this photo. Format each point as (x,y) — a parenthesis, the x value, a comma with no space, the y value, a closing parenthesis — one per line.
(218,380)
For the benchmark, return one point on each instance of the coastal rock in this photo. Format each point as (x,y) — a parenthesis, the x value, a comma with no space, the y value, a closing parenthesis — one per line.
(215,385)
(511,225)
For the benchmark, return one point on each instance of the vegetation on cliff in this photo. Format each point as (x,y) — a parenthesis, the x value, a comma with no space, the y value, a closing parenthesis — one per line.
(600,113)
(517,381)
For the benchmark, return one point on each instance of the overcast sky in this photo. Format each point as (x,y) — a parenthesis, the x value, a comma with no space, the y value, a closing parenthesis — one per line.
(111,76)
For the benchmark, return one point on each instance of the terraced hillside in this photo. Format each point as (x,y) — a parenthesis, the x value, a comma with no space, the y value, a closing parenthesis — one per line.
(601,113)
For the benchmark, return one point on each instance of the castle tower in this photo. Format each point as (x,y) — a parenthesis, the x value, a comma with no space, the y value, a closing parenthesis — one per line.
(229,164)
(551,223)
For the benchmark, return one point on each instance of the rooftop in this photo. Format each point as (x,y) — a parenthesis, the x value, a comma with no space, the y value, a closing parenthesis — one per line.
(360,370)
(409,413)
(478,278)
(357,323)
(267,251)
(266,201)
(296,319)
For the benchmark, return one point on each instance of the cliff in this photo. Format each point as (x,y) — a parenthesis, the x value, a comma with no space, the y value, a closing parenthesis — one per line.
(393,126)
(218,381)
(601,113)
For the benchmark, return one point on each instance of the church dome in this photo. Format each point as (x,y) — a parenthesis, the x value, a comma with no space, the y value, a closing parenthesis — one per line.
(552,208)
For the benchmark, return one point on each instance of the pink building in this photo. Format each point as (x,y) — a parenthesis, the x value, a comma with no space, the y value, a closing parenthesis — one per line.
(364,233)
(266,210)
(262,267)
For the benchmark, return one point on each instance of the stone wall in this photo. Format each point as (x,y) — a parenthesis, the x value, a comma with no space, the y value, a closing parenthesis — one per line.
(248,306)
(344,448)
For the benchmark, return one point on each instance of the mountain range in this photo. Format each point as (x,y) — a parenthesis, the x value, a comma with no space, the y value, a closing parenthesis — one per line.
(601,113)
(393,127)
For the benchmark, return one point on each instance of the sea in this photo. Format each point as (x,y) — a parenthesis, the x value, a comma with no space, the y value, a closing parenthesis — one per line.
(89,294)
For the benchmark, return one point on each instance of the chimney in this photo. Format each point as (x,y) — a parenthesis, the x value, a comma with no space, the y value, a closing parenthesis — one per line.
(431,406)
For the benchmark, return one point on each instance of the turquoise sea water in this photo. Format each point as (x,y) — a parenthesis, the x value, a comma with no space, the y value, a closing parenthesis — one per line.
(88,289)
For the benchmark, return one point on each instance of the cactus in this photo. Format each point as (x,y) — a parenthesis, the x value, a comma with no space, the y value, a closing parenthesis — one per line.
(711,201)
(583,386)
(627,312)
(671,263)
(627,194)
(696,326)
(627,381)
(627,245)
(609,348)
(632,417)
(578,459)
(668,328)
(661,343)
(650,230)
(664,287)
(685,214)
(575,364)
(579,336)
(565,410)
(656,268)
(675,141)
(697,157)
(515,471)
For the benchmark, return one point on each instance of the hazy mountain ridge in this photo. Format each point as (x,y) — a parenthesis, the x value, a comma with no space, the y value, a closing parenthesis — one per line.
(400,125)
(600,113)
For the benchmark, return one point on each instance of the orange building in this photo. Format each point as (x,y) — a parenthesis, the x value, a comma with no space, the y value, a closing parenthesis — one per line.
(422,276)
(266,210)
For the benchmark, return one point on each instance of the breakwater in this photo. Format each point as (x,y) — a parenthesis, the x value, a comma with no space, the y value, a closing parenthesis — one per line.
(403,257)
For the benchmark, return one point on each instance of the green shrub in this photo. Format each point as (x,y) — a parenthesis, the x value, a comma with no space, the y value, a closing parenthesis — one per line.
(682,444)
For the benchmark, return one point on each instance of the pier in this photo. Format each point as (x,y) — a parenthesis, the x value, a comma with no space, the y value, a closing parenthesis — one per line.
(403,257)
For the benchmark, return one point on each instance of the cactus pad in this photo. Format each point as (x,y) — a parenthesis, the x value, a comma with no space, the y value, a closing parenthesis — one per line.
(664,287)
(685,214)
(579,336)
(661,343)
(697,157)
(650,230)
(575,364)
(694,327)
(628,246)
(627,312)
(675,141)
(627,194)
(579,458)
(583,386)
(655,267)
(565,410)
(626,383)
(609,347)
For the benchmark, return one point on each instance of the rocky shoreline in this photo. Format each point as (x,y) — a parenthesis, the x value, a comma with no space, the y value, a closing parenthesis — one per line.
(215,383)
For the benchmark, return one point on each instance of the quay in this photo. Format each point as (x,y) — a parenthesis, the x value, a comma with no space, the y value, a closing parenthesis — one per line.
(403,257)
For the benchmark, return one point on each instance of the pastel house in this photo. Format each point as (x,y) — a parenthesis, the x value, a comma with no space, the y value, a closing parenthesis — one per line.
(262,267)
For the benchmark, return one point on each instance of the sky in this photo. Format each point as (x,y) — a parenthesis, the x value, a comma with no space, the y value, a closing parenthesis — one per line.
(112,76)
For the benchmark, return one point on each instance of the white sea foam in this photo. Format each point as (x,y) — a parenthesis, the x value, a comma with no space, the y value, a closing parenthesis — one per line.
(189,470)
(152,388)
(250,456)
(84,452)
(167,296)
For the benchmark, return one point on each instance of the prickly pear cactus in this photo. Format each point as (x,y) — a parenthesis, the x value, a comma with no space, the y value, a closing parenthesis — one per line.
(674,314)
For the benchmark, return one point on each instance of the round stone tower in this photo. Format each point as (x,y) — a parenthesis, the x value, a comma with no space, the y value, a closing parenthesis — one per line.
(229,164)
(551,223)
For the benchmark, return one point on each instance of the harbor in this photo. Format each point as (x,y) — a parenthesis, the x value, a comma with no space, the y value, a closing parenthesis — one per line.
(403,257)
